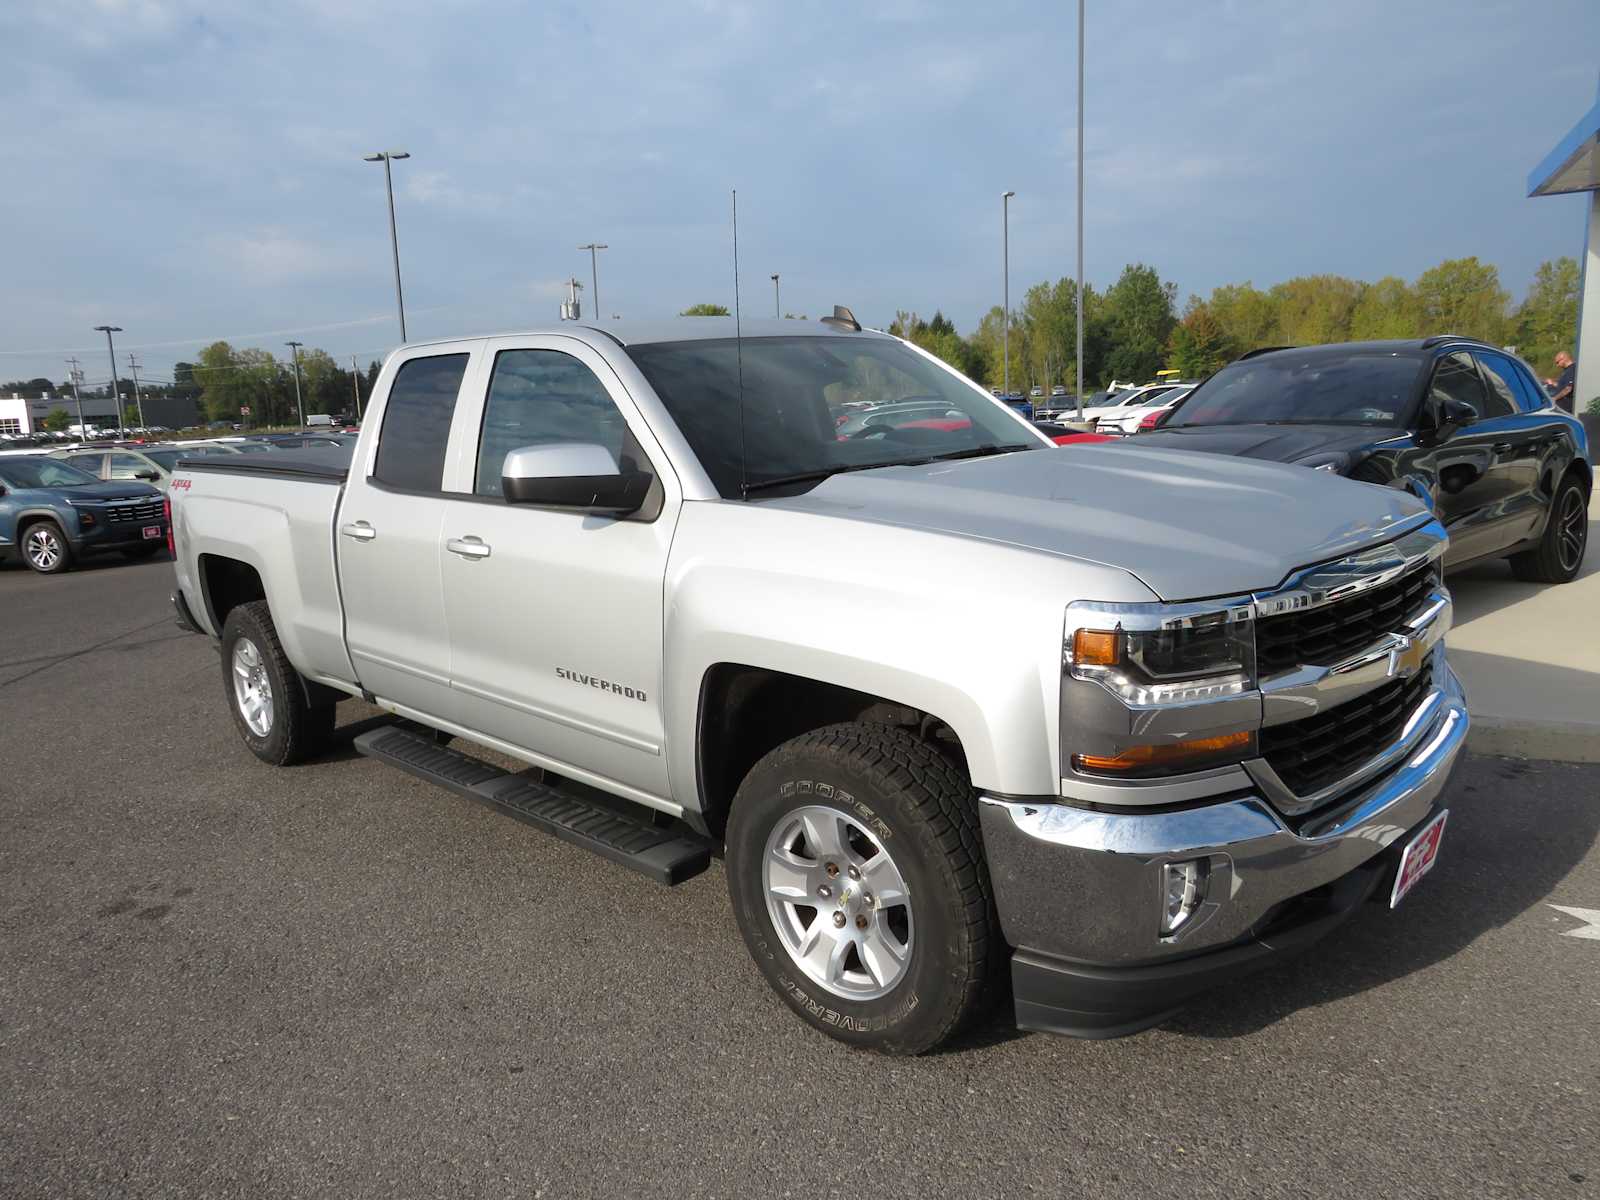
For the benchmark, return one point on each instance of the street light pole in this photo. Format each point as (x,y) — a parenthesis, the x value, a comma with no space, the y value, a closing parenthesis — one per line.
(384,156)
(298,407)
(594,274)
(777,306)
(1005,256)
(355,382)
(138,398)
(116,393)
(1079,304)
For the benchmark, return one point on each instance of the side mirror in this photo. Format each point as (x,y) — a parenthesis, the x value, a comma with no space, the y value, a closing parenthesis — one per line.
(149,475)
(573,475)
(1451,415)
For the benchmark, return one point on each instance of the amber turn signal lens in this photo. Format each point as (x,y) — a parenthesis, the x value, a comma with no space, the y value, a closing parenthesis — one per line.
(1095,647)
(1146,759)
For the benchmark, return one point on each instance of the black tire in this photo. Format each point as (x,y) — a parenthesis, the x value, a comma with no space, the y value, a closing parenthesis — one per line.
(54,550)
(295,730)
(921,807)
(1559,554)
(140,553)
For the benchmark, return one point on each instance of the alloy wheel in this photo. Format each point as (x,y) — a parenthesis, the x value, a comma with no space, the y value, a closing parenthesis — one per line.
(252,689)
(838,902)
(1572,530)
(43,548)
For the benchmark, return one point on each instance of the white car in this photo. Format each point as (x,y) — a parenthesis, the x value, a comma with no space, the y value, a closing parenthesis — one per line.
(1128,398)
(1128,418)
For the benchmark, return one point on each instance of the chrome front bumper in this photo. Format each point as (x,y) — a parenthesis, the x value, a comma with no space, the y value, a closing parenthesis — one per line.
(1085,886)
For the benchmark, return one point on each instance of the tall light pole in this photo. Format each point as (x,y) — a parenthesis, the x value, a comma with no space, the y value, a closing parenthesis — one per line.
(138,399)
(777,306)
(1005,257)
(77,377)
(594,274)
(116,393)
(355,382)
(1079,304)
(294,348)
(385,157)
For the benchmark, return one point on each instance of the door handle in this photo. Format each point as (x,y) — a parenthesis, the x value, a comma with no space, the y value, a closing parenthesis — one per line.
(468,547)
(1504,447)
(360,530)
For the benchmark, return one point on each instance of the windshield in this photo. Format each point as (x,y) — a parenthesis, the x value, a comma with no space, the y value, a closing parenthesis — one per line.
(802,413)
(42,472)
(1315,388)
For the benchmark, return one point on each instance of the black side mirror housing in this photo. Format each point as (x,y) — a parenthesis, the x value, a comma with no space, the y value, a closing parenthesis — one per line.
(1447,416)
(149,476)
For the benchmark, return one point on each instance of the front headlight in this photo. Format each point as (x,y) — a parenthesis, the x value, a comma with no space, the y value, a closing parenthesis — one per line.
(1156,654)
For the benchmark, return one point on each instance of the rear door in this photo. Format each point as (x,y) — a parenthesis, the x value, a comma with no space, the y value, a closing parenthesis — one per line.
(387,534)
(1530,444)
(555,615)
(93,462)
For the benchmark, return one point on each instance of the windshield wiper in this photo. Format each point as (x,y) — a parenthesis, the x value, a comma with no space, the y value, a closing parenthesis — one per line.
(827,472)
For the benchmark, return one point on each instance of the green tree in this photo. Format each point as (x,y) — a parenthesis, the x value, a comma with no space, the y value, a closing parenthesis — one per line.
(1139,320)
(1198,345)
(705,310)
(56,420)
(1247,316)
(1387,309)
(1313,309)
(1464,296)
(1547,318)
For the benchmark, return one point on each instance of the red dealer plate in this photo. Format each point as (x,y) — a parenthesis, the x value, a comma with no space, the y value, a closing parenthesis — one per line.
(152,532)
(1417,859)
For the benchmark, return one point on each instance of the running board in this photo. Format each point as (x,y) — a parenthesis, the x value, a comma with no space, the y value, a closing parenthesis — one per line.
(665,856)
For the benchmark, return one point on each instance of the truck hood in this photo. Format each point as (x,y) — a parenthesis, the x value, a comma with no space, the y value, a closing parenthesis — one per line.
(115,489)
(1275,443)
(1188,526)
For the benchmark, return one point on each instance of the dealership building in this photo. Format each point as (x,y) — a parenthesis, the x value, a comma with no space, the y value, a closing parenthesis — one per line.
(26,414)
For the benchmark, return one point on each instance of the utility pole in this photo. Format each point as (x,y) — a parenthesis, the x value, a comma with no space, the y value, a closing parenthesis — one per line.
(594,275)
(355,382)
(777,306)
(77,377)
(138,397)
(385,156)
(299,408)
(1005,254)
(116,392)
(1080,210)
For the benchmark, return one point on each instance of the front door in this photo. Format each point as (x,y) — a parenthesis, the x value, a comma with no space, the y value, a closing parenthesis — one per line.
(1476,477)
(555,615)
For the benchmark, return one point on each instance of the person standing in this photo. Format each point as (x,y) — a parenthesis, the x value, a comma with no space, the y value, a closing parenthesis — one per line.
(1565,383)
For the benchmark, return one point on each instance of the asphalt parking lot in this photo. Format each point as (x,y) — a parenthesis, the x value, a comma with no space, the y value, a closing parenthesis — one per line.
(223,979)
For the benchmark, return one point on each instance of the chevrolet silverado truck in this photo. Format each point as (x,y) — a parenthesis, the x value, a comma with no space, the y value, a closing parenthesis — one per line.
(966,714)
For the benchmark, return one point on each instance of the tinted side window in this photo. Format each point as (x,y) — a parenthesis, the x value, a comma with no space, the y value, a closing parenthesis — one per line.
(1455,377)
(1532,396)
(416,423)
(1503,399)
(543,398)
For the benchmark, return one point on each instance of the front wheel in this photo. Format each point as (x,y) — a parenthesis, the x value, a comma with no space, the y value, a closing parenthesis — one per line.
(264,691)
(858,881)
(1559,554)
(46,549)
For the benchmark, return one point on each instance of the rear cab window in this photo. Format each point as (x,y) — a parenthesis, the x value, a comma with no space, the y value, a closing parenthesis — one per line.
(415,433)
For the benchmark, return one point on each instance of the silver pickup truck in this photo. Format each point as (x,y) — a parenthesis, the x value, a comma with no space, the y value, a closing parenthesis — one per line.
(967,713)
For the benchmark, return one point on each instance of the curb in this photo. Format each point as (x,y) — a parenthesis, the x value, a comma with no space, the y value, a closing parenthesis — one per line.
(1552,741)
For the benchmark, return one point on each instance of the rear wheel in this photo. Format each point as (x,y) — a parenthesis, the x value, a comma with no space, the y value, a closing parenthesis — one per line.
(45,548)
(1559,554)
(265,693)
(859,884)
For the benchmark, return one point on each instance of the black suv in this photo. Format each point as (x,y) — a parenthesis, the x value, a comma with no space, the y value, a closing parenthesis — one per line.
(1461,423)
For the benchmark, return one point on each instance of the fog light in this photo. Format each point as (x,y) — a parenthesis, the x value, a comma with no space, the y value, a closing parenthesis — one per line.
(1184,889)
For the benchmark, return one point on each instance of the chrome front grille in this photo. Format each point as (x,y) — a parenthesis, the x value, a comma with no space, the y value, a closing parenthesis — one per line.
(1329,634)
(141,513)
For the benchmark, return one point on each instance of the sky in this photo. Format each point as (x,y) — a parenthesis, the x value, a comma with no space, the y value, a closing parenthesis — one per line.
(192,169)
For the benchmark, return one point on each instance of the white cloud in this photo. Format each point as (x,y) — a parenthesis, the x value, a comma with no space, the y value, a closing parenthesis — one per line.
(274,256)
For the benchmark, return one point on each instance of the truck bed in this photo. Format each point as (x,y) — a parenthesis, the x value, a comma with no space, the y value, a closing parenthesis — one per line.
(329,465)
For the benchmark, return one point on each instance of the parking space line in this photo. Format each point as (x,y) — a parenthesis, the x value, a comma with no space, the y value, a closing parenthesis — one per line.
(1590,930)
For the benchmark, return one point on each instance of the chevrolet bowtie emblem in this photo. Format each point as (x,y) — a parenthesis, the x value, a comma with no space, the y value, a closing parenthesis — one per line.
(1406,656)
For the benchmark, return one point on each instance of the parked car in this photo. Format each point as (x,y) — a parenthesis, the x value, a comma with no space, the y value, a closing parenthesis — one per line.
(1126,419)
(1463,424)
(1131,397)
(874,422)
(151,464)
(52,513)
(1198,710)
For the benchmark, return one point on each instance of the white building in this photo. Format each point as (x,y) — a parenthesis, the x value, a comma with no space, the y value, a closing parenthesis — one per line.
(26,414)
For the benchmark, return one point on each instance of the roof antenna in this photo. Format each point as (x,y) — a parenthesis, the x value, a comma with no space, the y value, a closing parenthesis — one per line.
(738,349)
